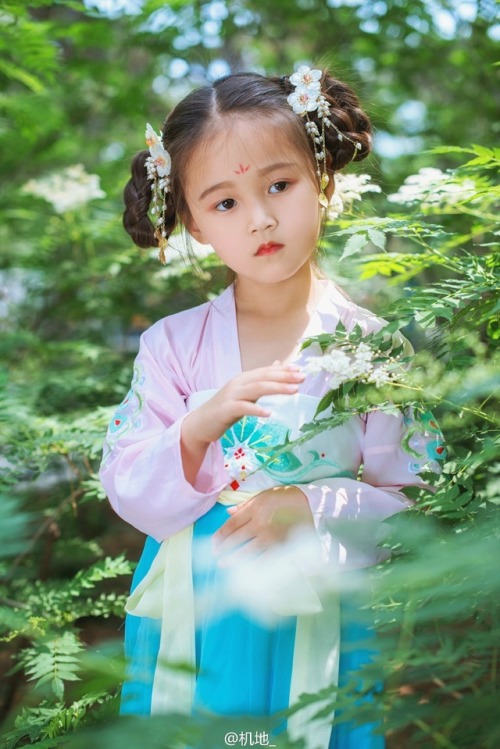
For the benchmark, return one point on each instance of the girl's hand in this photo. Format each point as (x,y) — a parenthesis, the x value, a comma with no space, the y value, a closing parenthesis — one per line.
(263,521)
(237,398)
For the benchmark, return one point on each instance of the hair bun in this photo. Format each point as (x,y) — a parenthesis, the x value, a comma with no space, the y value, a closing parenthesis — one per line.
(351,121)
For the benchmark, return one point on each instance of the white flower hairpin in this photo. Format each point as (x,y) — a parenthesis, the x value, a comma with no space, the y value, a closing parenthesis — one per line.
(306,98)
(158,166)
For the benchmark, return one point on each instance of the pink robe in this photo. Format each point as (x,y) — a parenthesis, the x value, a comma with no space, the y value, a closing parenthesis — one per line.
(198,350)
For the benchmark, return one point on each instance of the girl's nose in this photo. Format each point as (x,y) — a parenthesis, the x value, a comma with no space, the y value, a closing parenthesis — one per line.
(261,218)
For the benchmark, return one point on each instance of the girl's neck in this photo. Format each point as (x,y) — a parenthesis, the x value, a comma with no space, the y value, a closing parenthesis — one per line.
(278,300)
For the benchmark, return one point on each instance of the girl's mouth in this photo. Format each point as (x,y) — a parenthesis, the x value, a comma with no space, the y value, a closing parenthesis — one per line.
(269,248)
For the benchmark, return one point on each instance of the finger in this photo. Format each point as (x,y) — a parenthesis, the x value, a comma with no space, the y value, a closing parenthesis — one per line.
(251,549)
(233,509)
(234,522)
(285,370)
(252,391)
(241,536)
(277,371)
(289,366)
(249,408)
(231,526)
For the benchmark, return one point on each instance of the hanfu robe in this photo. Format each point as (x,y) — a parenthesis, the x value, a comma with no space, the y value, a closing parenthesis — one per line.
(354,472)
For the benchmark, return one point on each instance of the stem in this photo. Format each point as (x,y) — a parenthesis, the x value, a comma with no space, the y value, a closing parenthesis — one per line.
(454,406)
(13,604)
(438,737)
(45,525)
(494,663)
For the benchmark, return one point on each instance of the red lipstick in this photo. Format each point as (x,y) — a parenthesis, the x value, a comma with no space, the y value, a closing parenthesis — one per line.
(269,248)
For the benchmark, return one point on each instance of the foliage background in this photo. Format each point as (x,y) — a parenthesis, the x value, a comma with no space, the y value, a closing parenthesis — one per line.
(79,80)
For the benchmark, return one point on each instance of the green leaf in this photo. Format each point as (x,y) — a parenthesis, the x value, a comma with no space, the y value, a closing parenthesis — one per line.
(377,238)
(23,76)
(325,402)
(354,244)
(54,662)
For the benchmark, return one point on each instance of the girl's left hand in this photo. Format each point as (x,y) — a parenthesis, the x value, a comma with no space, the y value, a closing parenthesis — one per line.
(262,522)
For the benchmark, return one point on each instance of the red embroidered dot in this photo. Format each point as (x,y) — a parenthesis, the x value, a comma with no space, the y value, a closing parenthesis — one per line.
(322,455)
(234,485)
(439,450)
(118,422)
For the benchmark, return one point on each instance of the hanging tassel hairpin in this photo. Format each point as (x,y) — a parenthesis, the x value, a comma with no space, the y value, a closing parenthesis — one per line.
(306,98)
(158,166)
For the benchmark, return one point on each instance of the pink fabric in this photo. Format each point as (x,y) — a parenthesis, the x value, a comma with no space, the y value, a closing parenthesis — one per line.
(198,350)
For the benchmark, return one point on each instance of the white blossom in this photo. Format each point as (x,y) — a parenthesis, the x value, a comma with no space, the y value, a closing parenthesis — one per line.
(337,380)
(160,158)
(361,365)
(335,207)
(379,376)
(432,186)
(345,366)
(336,362)
(314,365)
(348,188)
(307,78)
(67,190)
(363,353)
(303,100)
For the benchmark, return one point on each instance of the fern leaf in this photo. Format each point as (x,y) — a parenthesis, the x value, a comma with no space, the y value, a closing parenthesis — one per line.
(54,662)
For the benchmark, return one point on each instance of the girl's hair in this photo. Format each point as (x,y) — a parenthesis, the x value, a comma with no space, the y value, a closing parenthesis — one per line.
(242,95)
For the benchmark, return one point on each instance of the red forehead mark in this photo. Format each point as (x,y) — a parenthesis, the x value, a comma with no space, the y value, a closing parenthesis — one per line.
(242,169)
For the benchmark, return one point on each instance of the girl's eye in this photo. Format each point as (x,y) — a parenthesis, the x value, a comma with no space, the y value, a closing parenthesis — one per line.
(278,186)
(225,205)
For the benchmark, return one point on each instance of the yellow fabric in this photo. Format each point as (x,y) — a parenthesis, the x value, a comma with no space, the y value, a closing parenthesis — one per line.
(166,593)
(229,497)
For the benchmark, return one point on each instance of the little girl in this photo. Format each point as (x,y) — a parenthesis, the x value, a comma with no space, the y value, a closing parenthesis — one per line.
(247,166)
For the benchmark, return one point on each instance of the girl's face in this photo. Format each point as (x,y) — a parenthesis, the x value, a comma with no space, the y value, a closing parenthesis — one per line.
(253,196)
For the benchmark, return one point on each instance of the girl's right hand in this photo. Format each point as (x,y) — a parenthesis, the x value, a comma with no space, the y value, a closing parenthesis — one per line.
(238,397)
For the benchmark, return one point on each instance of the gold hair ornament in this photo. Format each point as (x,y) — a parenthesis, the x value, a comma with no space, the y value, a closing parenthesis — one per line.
(158,166)
(306,98)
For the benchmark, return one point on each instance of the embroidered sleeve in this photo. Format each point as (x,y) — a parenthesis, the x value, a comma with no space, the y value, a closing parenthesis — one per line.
(347,513)
(142,469)
(423,441)
(127,416)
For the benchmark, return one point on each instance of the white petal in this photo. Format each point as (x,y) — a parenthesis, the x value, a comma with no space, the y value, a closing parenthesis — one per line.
(151,137)
(295,102)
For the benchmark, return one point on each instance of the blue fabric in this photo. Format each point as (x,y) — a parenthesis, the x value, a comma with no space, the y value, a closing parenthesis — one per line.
(354,630)
(243,667)
(142,643)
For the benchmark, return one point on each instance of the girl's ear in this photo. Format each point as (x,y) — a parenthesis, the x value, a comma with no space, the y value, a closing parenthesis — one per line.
(194,231)
(197,234)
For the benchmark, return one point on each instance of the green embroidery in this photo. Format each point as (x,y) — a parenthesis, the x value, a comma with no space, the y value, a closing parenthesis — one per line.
(423,441)
(126,417)
(247,447)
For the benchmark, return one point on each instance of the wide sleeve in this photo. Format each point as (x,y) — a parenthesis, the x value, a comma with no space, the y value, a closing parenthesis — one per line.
(142,469)
(348,513)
